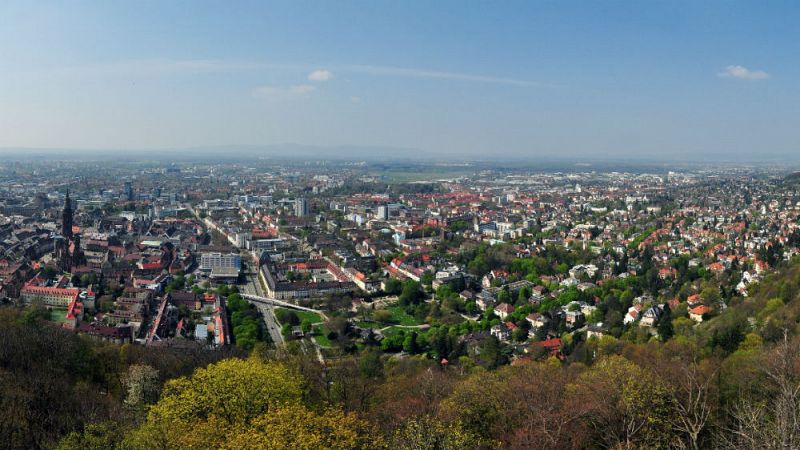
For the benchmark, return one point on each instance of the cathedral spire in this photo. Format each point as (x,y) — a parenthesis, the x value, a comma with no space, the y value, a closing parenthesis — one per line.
(66,217)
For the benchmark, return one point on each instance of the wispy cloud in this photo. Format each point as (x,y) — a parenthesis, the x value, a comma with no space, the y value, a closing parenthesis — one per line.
(298,90)
(435,74)
(160,67)
(743,73)
(320,75)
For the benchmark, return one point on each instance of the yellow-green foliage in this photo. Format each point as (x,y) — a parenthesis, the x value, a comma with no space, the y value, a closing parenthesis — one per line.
(772,306)
(627,400)
(427,433)
(244,404)
(295,427)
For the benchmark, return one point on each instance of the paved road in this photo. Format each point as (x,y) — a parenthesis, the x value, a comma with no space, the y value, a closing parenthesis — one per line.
(252,287)
(271,322)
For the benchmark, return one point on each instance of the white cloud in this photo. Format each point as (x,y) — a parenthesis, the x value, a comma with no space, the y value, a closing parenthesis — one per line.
(320,75)
(743,73)
(355,99)
(298,90)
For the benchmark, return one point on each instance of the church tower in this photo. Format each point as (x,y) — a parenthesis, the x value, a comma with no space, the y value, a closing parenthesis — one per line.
(66,218)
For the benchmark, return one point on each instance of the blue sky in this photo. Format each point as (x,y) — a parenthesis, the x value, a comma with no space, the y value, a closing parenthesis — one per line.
(534,79)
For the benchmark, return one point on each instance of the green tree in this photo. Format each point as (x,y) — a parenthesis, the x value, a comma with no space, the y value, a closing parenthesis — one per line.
(96,436)
(412,293)
(665,330)
(393,286)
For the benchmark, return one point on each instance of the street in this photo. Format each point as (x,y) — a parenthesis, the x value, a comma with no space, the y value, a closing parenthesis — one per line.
(252,287)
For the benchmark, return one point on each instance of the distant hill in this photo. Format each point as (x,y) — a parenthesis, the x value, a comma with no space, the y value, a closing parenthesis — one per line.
(793,177)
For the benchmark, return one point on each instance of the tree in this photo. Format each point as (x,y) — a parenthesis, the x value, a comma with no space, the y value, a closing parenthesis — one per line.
(412,293)
(428,433)
(215,401)
(772,421)
(410,343)
(623,405)
(142,385)
(503,296)
(382,316)
(691,396)
(96,436)
(393,286)
(665,330)
(426,279)
(246,404)
(298,428)
(523,295)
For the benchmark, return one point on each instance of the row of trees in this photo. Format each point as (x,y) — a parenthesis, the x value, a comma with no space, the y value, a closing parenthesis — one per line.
(246,322)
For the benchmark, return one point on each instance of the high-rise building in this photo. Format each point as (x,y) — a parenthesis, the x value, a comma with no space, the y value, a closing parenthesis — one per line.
(300,207)
(129,191)
(383,212)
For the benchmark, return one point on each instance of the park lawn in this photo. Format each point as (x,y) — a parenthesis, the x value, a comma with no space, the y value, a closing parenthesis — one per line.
(400,317)
(391,331)
(321,336)
(305,316)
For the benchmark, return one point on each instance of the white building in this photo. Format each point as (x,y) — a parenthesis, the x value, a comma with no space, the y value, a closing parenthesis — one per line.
(211,261)
(300,207)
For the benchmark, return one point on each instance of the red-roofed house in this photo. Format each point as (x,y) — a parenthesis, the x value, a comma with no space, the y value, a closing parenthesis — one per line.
(503,310)
(697,312)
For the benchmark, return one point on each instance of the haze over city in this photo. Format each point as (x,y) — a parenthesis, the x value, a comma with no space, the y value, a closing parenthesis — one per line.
(672,81)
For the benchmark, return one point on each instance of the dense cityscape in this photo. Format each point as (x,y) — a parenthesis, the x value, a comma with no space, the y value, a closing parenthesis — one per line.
(462,269)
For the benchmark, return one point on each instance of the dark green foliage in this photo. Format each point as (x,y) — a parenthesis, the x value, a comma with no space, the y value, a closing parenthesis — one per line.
(246,322)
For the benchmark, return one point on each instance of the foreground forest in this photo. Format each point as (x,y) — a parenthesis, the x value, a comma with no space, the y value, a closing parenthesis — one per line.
(731,382)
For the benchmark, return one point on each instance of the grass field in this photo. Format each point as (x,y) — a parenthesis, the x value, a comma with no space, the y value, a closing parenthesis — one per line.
(391,331)
(400,317)
(305,315)
(58,315)
(321,336)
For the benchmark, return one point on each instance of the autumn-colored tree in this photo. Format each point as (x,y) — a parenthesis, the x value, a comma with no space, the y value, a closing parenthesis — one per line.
(412,388)
(509,406)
